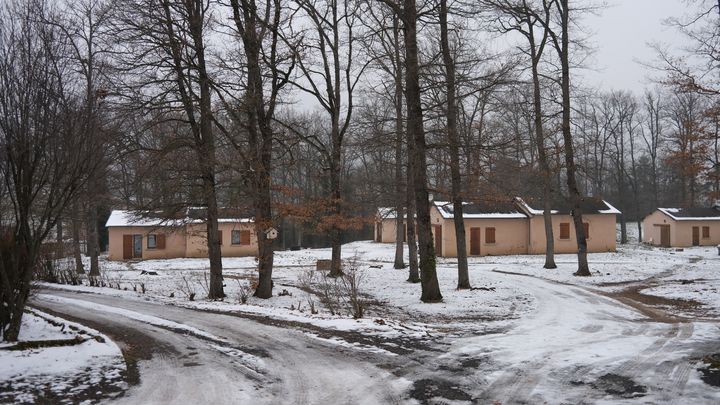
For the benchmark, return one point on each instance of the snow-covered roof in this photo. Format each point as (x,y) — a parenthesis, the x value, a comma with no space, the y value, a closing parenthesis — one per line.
(145,218)
(387,213)
(589,205)
(494,209)
(692,213)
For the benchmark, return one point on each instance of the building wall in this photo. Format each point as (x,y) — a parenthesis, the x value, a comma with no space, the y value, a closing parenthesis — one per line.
(197,240)
(174,241)
(435,220)
(651,230)
(388,227)
(602,236)
(683,233)
(511,235)
(189,241)
(515,236)
(680,231)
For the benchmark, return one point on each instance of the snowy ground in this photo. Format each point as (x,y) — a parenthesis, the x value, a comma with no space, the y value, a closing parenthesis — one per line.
(634,332)
(56,361)
(690,276)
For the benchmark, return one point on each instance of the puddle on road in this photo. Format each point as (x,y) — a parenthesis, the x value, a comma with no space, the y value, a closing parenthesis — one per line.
(617,385)
(426,389)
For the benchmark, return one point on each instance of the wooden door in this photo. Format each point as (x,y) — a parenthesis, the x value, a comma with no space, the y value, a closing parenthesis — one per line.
(665,235)
(378,228)
(127,247)
(438,239)
(696,236)
(475,241)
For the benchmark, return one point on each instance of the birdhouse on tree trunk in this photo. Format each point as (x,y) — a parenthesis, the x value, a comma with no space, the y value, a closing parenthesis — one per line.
(271,233)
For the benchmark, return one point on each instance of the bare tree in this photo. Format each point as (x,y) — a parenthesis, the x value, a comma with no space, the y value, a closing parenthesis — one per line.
(525,18)
(451,113)
(258,28)
(85,24)
(388,59)
(162,56)
(698,72)
(45,159)
(561,43)
(408,14)
(331,80)
(653,138)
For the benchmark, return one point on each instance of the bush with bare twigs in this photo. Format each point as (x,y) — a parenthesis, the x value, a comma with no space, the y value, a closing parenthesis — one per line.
(187,287)
(338,294)
(245,290)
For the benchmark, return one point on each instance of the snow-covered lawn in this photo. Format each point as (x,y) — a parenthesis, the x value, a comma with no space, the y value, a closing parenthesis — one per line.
(664,271)
(87,366)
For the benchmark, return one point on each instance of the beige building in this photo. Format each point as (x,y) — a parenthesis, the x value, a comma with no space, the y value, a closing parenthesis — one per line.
(386,225)
(682,227)
(496,228)
(135,237)
(599,219)
(515,227)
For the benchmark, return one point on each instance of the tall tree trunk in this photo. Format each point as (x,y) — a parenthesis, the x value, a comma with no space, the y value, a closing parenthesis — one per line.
(263,221)
(216,290)
(428,273)
(59,239)
(622,186)
(547,223)
(413,270)
(77,252)
(260,135)
(335,231)
(336,151)
(20,263)
(399,135)
(205,145)
(535,55)
(92,244)
(452,133)
(575,197)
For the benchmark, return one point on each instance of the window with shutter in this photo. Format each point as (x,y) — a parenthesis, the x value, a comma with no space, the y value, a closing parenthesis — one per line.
(565,230)
(706,232)
(244,237)
(235,237)
(161,241)
(489,235)
(219,236)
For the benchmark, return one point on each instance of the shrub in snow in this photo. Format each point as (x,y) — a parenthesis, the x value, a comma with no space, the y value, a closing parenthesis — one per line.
(338,294)
(60,271)
(245,290)
(187,287)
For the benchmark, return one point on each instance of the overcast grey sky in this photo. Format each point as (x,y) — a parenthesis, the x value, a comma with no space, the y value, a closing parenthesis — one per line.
(620,34)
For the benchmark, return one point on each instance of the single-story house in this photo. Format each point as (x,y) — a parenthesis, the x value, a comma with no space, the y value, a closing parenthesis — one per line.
(516,226)
(491,228)
(140,235)
(682,227)
(386,225)
(599,218)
